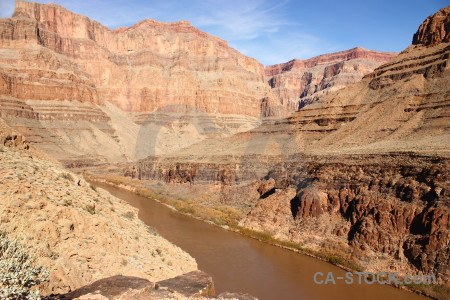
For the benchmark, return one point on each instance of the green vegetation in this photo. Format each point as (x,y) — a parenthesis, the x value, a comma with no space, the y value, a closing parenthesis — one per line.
(18,274)
(67,176)
(334,258)
(93,187)
(195,206)
(152,230)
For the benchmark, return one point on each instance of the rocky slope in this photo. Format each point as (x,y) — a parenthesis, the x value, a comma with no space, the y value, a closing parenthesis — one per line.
(362,173)
(79,233)
(300,82)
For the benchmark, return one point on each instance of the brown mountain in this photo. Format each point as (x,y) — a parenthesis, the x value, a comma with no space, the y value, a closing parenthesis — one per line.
(84,93)
(72,86)
(361,173)
(300,82)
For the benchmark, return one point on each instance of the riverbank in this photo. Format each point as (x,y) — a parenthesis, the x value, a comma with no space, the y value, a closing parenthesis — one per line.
(137,187)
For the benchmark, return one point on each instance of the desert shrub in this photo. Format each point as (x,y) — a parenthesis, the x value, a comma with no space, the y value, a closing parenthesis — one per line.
(67,176)
(90,209)
(18,274)
(93,187)
(129,215)
(152,230)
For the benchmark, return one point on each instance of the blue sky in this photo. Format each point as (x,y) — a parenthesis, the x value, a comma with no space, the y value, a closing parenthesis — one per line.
(273,31)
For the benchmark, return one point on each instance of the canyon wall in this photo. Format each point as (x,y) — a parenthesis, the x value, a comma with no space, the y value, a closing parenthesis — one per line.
(361,173)
(91,95)
(149,65)
(301,82)
(86,94)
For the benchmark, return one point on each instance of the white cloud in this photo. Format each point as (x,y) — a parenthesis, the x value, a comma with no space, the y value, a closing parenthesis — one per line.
(282,47)
(241,20)
(257,28)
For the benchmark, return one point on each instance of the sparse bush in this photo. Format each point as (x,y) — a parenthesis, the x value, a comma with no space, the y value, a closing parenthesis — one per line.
(93,187)
(18,274)
(67,202)
(67,176)
(152,230)
(129,215)
(90,209)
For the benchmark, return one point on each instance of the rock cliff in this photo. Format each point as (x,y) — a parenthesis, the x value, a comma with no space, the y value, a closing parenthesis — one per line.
(86,93)
(90,95)
(300,82)
(155,64)
(434,30)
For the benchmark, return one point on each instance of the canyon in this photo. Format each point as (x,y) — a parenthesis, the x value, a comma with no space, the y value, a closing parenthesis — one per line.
(298,83)
(345,154)
(362,173)
(86,94)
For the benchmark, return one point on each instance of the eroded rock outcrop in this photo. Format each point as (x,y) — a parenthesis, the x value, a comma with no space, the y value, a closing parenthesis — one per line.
(434,30)
(192,285)
(301,82)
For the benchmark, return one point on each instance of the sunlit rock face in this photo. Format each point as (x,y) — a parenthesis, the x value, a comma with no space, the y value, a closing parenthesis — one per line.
(301,82)
(83,92)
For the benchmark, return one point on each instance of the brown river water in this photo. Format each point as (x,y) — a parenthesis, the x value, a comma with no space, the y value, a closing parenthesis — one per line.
(241,264)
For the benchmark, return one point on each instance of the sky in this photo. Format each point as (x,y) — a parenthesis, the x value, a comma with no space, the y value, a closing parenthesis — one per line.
(273,31)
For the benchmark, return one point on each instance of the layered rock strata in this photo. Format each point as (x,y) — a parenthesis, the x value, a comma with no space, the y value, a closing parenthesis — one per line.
(84,92)
(301,82)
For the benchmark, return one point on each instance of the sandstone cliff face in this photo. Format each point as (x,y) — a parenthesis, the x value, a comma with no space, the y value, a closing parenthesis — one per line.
(362,170)
(434,30)
(154,64)
(62,77)
(390,205)
(300,82)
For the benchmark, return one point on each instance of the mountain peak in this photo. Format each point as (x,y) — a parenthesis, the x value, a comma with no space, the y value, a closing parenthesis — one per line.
(434,30)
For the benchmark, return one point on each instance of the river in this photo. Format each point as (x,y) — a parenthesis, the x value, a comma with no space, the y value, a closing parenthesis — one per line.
(241,264)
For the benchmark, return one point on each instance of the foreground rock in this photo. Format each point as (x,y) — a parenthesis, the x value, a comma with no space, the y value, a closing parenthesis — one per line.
(192,285)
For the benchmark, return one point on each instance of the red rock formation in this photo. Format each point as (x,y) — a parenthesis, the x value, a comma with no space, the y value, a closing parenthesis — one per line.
(331,58)
(301,82)
(155,64)
(59,71)
(434,30)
